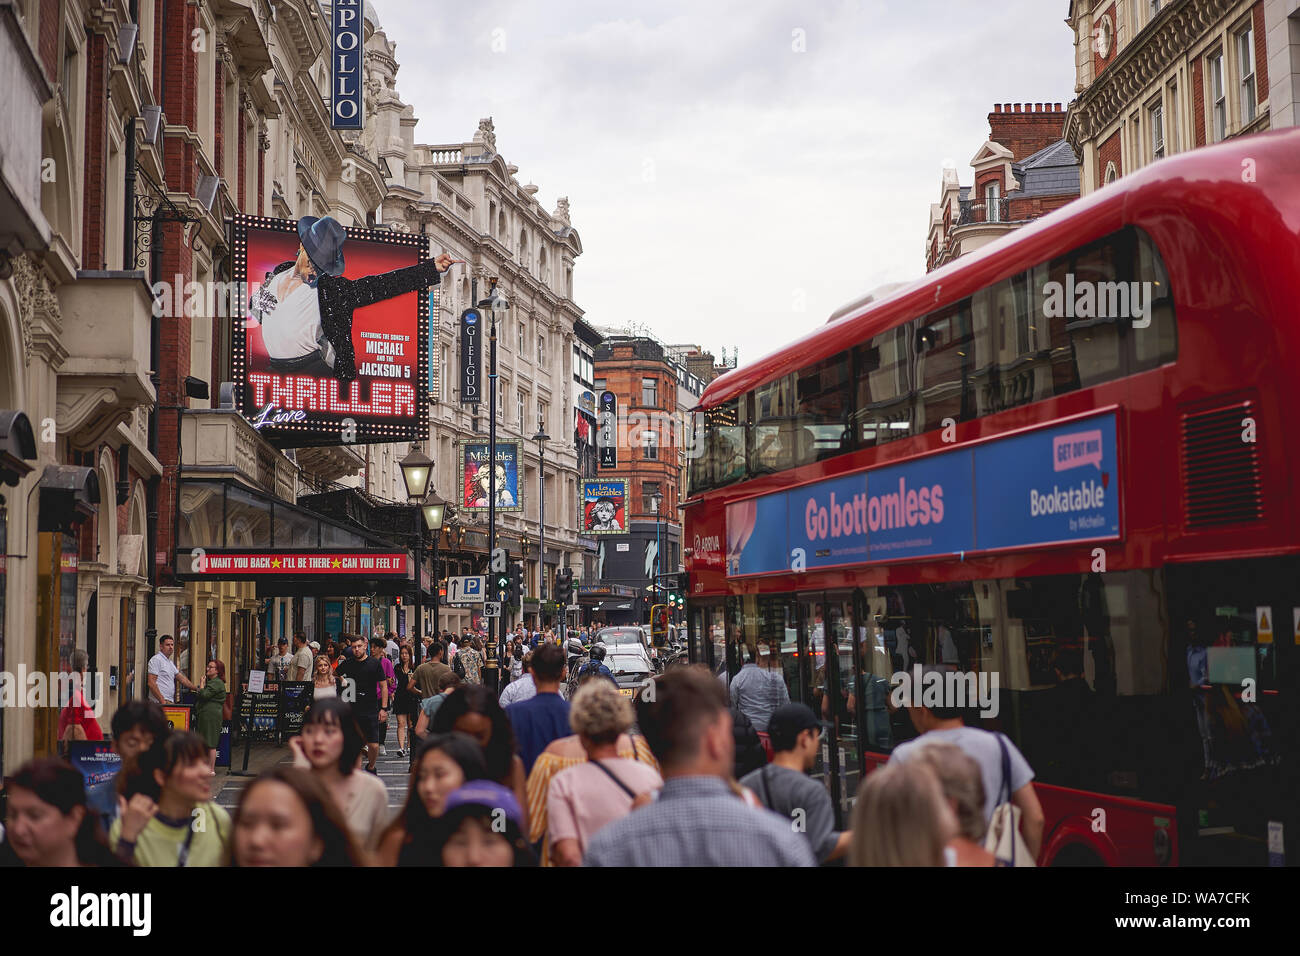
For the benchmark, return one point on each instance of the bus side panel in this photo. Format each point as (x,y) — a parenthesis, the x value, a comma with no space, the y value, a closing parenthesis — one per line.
(1117,831)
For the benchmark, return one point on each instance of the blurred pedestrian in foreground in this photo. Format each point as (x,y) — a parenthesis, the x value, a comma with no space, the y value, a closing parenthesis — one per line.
(901,818)
(697,819)
(286,818)
(473,709)
(47,821)
(544,716)
(963,788)
(443,763)
(481,825)
(170,818)
(785,787)
(593,794)
(330,746)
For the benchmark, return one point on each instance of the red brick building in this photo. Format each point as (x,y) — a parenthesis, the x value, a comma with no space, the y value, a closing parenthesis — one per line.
(644,376)
(1024,170)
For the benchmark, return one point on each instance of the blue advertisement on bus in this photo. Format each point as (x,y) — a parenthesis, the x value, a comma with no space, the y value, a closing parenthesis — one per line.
(1059,484)
(921,508)
(828,522)
(1051,486)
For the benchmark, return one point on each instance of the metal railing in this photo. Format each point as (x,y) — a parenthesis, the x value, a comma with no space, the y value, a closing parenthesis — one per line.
(982,210)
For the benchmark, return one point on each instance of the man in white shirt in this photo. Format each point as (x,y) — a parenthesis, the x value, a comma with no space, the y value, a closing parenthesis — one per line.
(303,661)
(391,648)
(163,674)
(280,666)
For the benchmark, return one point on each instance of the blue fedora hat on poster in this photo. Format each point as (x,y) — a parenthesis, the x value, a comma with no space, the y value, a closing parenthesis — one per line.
(323,239)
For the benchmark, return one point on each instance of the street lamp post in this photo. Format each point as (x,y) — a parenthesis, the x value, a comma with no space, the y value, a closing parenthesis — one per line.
(658,499)
(434,509)
(493,303)
(416,467)
(541,438)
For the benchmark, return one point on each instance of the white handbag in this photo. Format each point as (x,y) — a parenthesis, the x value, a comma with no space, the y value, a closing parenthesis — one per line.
(1003,839)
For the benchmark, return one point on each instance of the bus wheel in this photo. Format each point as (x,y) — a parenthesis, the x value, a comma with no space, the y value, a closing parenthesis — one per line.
(1076,854)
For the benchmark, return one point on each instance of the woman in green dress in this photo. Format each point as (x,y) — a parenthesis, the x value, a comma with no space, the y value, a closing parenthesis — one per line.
(208,707)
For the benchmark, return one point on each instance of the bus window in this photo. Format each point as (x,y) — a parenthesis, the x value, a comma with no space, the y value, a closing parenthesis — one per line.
(1157,343)
(697,451)
(824,407)
(945,368)
(725,443)
(772,441)
(885,371)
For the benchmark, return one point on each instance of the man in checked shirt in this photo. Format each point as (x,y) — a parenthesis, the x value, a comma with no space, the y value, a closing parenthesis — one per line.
(697,819)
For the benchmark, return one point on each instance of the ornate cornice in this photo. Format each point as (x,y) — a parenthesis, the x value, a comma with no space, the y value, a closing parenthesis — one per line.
(1161,44)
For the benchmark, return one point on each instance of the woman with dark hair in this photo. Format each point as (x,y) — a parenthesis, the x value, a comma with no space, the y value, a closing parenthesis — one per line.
(330,747)
(208,706)
(473,709)
(286,818)
(407,699)
(444,762)
(170,818)
(47,822)
(469,833)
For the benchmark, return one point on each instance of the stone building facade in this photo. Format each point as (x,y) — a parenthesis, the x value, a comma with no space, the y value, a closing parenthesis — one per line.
(1157,77)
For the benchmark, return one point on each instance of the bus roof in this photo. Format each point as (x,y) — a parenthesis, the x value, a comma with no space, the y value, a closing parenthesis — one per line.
(1078,223)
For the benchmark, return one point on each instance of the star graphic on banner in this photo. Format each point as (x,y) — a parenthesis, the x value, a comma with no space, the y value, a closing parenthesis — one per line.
(336,563)
(275,562)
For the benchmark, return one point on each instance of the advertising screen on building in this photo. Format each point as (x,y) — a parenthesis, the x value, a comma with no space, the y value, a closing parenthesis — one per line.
(604,506)
(332,344)
(476,476)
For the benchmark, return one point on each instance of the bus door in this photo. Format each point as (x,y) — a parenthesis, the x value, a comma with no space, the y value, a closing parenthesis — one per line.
(827,621)
(1234,660)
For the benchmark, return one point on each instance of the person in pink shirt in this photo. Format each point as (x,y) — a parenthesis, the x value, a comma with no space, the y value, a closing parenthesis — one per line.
(592,795)
(377,648)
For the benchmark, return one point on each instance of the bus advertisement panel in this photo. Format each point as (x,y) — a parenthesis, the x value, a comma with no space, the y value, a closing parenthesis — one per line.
(1052,485)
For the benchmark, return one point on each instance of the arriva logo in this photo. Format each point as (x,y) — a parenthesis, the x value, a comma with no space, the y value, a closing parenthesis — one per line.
(709,542)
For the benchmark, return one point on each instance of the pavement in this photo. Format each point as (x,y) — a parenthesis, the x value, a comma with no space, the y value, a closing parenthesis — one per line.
(264,754)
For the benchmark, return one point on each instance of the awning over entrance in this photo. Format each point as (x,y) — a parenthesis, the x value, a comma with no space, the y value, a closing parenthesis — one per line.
(229,532)
(17,446)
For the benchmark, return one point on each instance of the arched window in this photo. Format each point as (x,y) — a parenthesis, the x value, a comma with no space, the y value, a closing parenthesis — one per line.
(1111,173)
(523,247)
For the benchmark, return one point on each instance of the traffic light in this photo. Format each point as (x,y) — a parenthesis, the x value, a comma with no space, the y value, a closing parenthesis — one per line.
(659,623)
(564,586)
(501,581)
(516,583)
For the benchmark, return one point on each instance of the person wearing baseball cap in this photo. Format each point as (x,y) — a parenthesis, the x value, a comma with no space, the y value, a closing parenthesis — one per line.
(481,825)
(785,787)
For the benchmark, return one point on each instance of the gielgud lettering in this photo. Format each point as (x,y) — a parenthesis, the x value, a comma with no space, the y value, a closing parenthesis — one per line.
(904,508)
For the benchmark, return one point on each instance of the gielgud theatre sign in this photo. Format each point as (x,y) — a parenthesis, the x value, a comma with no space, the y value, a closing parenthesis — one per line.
(333,343)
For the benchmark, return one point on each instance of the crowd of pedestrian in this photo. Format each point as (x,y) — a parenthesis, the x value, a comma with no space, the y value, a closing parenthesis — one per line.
(697,774)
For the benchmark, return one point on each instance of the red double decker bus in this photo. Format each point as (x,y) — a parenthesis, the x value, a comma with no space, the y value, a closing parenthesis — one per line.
(1065,464)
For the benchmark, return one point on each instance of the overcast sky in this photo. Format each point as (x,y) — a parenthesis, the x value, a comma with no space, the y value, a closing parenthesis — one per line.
(730,190)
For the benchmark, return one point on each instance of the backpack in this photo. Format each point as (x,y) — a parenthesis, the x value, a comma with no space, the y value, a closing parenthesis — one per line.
(458,666)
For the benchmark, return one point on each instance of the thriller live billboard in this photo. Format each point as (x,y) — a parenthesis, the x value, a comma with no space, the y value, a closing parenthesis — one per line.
(337,359)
